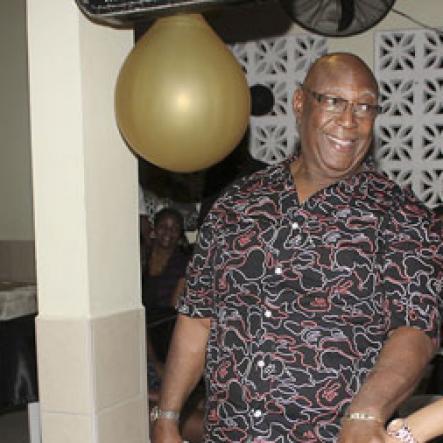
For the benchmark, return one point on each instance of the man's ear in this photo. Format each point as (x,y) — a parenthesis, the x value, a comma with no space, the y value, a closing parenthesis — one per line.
(297,102)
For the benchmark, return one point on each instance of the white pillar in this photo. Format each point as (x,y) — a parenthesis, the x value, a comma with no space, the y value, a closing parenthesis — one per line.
(90,327)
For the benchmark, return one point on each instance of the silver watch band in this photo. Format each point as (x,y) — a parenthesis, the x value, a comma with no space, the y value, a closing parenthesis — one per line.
(157,413)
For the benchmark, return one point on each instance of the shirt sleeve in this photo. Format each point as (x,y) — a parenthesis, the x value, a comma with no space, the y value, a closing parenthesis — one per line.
(197,300)
(413,268)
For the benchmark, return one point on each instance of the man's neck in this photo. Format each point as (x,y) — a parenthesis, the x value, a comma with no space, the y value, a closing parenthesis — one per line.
(308,181)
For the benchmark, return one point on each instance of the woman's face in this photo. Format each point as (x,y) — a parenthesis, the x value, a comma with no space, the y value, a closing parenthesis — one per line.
(167,232)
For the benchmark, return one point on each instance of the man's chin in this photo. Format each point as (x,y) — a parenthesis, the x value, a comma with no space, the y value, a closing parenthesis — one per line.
(340,169)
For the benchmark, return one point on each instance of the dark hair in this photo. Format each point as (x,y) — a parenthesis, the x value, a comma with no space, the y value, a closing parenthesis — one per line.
(438,210)
(170,212)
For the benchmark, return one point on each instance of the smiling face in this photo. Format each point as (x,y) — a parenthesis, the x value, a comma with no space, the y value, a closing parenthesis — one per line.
(333,144)
(168,231)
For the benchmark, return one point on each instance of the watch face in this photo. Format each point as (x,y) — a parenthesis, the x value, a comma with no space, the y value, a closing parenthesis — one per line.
(154,413)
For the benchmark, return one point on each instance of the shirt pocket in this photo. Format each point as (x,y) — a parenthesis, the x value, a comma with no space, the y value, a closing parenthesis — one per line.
(341,276)
(347,253)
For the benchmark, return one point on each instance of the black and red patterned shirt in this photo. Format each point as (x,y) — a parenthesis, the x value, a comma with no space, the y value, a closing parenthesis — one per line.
(302,296)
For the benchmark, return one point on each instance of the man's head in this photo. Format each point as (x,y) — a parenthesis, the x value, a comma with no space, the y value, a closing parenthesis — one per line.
(335,111)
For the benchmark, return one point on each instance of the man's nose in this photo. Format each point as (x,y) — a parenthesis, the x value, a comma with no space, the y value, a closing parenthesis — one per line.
(347,116)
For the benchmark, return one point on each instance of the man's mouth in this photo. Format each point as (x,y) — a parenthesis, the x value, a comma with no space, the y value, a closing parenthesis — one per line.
(341,144)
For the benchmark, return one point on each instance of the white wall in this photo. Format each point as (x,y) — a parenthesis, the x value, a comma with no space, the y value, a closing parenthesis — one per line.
(15,157)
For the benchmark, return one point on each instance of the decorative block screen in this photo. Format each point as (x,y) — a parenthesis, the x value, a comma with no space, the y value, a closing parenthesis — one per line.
(409,145)
(280,64)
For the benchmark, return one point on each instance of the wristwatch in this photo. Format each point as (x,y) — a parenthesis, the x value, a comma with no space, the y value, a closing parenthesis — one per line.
(157,413)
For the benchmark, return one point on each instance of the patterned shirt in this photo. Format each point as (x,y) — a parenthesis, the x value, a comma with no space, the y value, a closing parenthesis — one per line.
(302,296)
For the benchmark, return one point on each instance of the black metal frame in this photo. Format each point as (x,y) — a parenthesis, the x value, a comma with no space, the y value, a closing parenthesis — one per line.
(118,12)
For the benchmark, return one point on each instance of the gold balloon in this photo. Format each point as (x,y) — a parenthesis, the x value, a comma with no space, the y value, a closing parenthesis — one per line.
(182,101)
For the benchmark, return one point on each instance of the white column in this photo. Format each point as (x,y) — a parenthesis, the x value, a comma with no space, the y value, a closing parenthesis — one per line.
(90,328)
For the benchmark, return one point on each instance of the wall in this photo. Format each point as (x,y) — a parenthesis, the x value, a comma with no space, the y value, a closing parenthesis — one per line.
(15,162)
(16,224)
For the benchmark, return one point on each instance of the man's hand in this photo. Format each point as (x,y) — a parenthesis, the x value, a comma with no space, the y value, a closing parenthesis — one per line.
(361,431)
(184,368)
(165,431)
(399,367)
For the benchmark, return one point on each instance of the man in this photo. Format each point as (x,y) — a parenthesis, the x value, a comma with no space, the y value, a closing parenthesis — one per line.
(305,276)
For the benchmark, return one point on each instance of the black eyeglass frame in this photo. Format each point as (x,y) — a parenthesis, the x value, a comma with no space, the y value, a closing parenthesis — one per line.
(375,109)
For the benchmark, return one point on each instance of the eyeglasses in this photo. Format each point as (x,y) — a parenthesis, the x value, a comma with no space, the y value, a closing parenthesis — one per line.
(337,105)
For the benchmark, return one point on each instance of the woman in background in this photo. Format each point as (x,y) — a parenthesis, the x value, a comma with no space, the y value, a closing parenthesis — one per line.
(163,278)
(163,282)
(166,260)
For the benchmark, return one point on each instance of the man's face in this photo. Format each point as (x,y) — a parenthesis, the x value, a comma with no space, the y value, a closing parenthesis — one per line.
(333,144)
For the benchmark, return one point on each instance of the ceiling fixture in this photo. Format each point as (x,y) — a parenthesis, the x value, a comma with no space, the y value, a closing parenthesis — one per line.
(337,18)
(122,12)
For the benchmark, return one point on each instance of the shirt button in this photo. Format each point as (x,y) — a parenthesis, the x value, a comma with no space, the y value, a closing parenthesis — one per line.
(295,225)
(268,313)
(257,413)
(278,270)
(260,363)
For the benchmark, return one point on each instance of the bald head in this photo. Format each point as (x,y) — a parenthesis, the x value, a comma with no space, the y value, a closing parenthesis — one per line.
(334,64)
(335,111)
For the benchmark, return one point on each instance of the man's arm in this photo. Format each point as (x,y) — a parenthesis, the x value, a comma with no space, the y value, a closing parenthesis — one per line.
(398,370)
(184,368)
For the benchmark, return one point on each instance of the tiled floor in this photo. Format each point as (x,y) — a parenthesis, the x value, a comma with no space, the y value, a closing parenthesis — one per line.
(14,426)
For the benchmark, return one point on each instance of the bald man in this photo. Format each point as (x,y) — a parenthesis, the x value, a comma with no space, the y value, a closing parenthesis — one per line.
(310,305)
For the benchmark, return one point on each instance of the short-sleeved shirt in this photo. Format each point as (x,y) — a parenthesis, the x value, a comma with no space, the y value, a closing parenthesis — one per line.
(302,296)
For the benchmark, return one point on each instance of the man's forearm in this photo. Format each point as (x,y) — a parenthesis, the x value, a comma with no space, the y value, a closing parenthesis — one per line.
(396,373)
(185,362)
